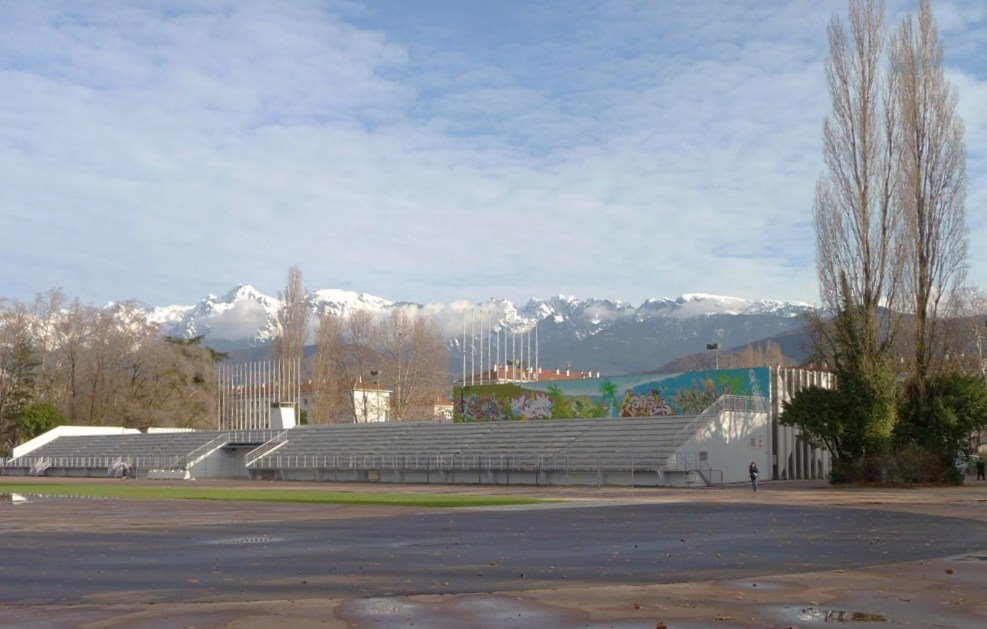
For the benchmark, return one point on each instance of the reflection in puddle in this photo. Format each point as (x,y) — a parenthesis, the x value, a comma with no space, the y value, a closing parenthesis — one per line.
(256,539)
(473,610)
(16,498)
(815,614)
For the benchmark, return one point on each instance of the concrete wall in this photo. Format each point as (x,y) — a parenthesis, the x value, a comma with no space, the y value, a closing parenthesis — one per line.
(793,459)
(730,442)
(223,463)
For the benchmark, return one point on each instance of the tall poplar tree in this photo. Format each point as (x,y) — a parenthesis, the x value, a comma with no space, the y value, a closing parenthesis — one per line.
(933,183)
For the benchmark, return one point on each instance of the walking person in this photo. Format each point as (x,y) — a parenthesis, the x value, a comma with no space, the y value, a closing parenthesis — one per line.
(980,469)
(752,470)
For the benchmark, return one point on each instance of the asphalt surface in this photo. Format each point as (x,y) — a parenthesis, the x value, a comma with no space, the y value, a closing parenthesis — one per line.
(472,551)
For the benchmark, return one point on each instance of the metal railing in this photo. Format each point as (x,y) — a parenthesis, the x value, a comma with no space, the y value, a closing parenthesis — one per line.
(265,448)
(694,462)
(739,403)
(39,466)
(117,467)
(87,462)
(185,461)
(251,436)
(439,461)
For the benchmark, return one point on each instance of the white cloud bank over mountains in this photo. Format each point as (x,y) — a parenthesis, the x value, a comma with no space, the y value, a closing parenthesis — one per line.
(245,316)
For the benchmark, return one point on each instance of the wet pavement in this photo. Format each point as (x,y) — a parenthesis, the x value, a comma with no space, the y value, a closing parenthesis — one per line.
(462,551)
(794,555)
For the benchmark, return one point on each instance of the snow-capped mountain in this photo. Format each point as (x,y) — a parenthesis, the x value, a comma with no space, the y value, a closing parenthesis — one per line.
(246,317)
(592,334)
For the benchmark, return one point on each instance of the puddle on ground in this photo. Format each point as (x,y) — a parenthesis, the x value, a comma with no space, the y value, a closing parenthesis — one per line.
(17,498)
(239,541)
(472,611)
(819,614)
(757,585)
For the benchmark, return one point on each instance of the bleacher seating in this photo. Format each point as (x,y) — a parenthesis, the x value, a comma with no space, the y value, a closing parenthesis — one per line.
(90,453)
(572,451)
(598,445)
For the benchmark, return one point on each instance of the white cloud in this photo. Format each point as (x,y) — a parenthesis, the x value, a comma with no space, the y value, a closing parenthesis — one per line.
(609,150)
(240,321)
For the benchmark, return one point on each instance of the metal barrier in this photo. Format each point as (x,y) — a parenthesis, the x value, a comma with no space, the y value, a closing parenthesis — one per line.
(251,436)
(43,463)
(185,461)
(439,461)
(39,467)
(737,403)
(119,467)
(266,448)
(693,462)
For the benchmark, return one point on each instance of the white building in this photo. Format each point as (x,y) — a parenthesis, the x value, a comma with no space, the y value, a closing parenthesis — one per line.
(371,404)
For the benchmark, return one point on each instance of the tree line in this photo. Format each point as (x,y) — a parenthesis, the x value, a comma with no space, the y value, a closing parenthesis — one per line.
(891,247)
(62,362)
(402,352)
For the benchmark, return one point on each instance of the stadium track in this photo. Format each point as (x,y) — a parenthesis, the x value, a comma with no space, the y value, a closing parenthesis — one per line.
(608,557)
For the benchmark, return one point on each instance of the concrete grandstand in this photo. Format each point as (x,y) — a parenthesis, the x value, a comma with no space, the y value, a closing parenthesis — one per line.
(707,448)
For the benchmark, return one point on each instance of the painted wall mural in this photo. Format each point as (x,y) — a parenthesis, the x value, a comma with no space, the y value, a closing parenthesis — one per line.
(688,393)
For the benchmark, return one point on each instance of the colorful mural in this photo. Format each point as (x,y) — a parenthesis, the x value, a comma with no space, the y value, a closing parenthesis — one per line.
(688,393)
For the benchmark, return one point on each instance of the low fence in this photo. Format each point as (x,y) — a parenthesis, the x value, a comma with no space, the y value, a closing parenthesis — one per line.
(251,436)
(456,468)
(42,463)
(694,462)
(464,462)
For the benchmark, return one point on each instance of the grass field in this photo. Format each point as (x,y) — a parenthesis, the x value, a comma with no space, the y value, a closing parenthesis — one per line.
(308,496)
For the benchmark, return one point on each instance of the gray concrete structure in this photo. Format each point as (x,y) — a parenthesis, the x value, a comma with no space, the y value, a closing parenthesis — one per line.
(713,447)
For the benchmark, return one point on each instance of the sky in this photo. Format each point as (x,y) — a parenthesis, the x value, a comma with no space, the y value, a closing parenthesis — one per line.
(429,151)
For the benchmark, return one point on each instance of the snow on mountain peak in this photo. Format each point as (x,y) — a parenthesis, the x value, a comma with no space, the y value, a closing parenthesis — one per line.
(243,291)
(347,298)
(700,304)
(244,314)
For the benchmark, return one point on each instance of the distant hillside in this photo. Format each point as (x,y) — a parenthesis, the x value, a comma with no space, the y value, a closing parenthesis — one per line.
(795,346)
(603,335)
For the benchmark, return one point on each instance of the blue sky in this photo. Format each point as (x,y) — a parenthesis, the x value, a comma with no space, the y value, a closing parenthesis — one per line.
(429,150)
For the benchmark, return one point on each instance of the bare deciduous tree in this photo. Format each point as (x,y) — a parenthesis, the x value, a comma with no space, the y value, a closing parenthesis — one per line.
(292,319)
(889,218)
(345,356)
(414,359)
(402,351)
(933,182)
(766,355)
(105,366)
(858,252)
(964,333)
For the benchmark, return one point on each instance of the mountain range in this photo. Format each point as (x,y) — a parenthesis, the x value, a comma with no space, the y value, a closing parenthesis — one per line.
(603,335)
